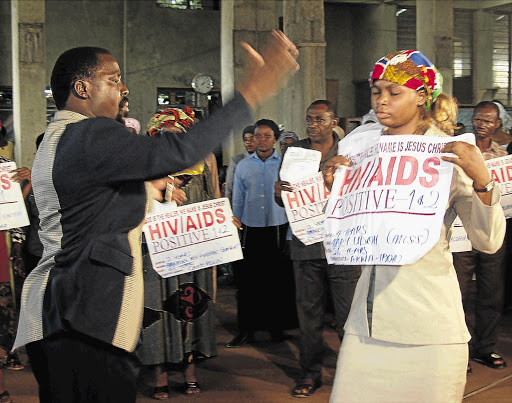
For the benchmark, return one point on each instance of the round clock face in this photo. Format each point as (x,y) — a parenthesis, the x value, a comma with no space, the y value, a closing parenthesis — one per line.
(202,83)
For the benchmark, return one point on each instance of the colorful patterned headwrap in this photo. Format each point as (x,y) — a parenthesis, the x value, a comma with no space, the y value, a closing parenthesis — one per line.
(411,69)
(181,117)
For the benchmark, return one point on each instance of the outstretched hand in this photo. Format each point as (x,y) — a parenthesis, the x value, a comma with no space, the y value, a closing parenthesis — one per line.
(330,168)
(268,72)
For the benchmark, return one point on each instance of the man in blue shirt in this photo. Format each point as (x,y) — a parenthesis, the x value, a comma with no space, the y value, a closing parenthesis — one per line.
(265,287)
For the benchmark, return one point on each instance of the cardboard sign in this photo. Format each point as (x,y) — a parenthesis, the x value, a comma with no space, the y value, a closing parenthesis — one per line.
(501,172)
(191,237)
(304,208)
(388,207)
(13,212)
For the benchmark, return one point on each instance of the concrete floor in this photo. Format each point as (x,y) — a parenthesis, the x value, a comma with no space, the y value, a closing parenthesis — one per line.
(265,372)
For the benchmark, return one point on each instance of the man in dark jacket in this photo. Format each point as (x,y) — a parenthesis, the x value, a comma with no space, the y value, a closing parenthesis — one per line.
(82,305)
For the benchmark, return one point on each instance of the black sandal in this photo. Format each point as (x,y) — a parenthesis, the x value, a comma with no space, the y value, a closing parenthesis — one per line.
(161,392)
(302,389)
(490,360)
(13,363)
(192,388)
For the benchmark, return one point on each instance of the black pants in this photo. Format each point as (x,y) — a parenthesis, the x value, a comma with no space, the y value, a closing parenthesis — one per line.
(72,368)
(483,298)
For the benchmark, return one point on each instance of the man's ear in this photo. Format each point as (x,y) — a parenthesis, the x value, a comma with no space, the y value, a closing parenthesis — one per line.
(79,89)
(335,122)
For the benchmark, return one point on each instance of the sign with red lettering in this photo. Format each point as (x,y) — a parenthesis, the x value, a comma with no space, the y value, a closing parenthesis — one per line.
(191,237)
(305,208)
(388,207)
(501,172)
(12,207)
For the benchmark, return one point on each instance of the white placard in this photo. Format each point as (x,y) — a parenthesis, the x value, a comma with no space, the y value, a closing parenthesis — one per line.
(13,212)
(191,237)
(501,172)
(388,207)
(459,241)
(304,208)
(299,163)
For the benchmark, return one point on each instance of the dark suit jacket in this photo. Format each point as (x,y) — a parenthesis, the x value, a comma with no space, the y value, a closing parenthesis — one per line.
(94,279)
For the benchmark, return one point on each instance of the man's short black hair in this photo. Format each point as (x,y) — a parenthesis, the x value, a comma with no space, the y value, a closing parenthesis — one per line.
(270,123)
(74,64)
(330,106)
(488,104)
(248,129)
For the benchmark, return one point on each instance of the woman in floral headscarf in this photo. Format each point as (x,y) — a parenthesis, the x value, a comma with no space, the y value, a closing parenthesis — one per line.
(174,334)
(406,337)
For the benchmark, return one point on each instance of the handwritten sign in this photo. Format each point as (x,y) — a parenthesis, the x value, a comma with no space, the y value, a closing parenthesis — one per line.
(501,172)
(192,237)
(388,207)
(304,208)
(12,207)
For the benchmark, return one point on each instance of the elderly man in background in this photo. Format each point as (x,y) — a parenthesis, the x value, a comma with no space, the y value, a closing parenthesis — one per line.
(483,308)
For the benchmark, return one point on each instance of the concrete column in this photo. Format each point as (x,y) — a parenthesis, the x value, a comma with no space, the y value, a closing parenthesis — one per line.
(304,24)
(29,80)
(482,56)
(227,75)
(374,36)
(250,21)
(434,36)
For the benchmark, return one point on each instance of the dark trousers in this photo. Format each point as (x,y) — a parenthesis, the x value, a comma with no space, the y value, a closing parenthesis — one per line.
(312,280)
(264,280)
(482,299)
(73,368)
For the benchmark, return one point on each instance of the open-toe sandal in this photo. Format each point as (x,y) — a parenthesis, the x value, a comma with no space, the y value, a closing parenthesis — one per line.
(491,360)
(191,388)
(13,363)
(161,392)
(302,389)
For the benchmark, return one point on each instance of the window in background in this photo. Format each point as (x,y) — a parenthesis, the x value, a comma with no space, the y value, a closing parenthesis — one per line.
(189,4)
(406,28)
(501,57)
(463,56)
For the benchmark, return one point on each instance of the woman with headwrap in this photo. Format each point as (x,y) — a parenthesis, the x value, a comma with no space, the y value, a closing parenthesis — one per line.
(175,334)
(406,337)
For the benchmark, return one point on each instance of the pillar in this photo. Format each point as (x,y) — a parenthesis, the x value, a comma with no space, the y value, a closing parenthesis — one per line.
(303,23)
(434,36)
(482,56)
(29,80)
(251,21)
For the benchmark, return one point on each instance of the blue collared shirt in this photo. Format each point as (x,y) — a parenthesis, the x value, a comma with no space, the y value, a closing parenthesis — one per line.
(253,191)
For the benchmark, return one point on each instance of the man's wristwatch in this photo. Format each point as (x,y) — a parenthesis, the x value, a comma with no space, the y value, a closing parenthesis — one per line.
(487,188)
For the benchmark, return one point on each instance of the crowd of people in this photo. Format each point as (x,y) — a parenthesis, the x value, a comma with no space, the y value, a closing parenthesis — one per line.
(93,309)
